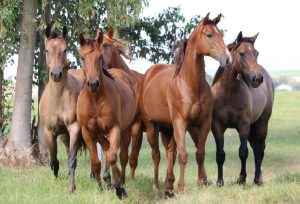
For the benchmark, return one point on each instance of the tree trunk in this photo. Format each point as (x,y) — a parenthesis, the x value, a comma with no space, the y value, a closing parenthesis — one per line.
(1,102)
(20,135)
(46,14)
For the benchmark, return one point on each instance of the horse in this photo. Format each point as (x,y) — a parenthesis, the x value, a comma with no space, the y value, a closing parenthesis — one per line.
(114,49)
(106,106)
(180,97)
(243,99)
(58,103)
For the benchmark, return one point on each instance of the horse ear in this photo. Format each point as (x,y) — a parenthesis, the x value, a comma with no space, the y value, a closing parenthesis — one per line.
(64,32)
(254,38)
(99,37)
(206,18)
(239,37)
(110,32)
(217,19)
(81,39)
(48,31)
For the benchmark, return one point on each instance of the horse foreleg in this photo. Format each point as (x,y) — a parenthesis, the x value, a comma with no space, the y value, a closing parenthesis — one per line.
(243,152)
(137,137)
(114,143)
(152,137)
(218,132)
(169,143)
(257,138)
(124,144)
(179,136)
(52,146)
(95,162)
(74,132)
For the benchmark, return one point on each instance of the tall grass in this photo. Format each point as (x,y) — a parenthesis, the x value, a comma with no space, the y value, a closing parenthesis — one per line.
(281,171)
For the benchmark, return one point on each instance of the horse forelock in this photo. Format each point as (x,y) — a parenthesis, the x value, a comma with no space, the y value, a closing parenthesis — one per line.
(234,45)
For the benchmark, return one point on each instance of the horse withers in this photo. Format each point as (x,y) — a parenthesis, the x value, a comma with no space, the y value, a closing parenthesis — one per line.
(58,103)
(243,99)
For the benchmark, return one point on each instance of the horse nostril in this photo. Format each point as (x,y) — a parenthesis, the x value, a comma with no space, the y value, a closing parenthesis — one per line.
(261,79)
(97,83)
(88,83)
(60,74)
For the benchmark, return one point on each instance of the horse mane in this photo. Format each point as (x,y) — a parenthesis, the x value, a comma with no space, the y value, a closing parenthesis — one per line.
(179,56)
(218,75)
(121,45)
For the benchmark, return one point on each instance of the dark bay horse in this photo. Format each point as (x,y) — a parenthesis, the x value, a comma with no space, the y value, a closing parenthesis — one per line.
(114,49)
(106,106)
(57,107)
(181,98)
(243,99)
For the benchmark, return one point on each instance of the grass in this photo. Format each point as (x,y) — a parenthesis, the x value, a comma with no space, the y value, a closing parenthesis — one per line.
(286,73)
(281,171)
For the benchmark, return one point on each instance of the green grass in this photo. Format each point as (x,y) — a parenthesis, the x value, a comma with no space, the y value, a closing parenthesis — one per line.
(281,171)
(286,73)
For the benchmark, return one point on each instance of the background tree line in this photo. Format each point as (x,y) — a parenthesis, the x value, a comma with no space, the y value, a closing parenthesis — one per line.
(22,24)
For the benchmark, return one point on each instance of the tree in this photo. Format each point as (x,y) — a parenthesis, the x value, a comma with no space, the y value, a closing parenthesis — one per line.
(20,138)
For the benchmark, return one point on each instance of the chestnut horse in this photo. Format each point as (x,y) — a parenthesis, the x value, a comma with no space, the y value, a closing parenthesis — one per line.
(113,49)
(57,107)
(105,106)
(243,99)
(181,98)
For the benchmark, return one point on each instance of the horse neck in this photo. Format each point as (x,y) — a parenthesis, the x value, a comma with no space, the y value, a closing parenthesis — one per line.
(229,80)
(193,67)
(118,62)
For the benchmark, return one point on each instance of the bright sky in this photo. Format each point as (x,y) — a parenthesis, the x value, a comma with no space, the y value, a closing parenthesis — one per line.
(277,22)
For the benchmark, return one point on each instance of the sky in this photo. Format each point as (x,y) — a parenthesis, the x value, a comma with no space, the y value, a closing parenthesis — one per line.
(277,22)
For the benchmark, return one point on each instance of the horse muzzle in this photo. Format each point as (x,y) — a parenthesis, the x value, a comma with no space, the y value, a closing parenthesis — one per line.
(56,76)
(256,81)
(93,86)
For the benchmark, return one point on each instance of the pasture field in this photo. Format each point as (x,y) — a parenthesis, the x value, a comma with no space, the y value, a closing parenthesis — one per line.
(281,171)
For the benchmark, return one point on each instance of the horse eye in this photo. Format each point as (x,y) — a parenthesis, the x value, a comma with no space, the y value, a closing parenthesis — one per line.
(82,58)
(209,35)
(46,51)
(65,51)
(257,53)
(242,54)
(105,45)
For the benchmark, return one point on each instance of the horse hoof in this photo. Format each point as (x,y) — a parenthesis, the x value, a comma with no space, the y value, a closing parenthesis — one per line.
(54,169)
(220,182)
(205,182)
(169,194)
(72,189)
(241,180)
(121,193)
(258,182)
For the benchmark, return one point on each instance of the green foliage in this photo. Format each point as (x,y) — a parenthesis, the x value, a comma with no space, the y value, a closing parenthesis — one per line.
(155,38)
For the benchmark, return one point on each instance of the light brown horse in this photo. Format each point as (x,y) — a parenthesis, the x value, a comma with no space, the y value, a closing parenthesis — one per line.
(181,98)
(105,106)
(243,99)
(114,49)
(57,107)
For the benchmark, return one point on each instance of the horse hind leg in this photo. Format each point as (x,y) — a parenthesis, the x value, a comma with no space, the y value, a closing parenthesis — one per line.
(257,139)
(170,146)
(137,138)
(66,141)
(152,137)
(52,147)
(124,144)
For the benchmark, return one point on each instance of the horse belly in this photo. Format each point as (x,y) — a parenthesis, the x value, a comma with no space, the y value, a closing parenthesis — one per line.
(259,100)
(155,104)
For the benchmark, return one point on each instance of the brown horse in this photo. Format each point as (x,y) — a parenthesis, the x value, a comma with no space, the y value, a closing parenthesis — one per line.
(57,107)
(105,106)
(114,49)
(243,99)
(181,98)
